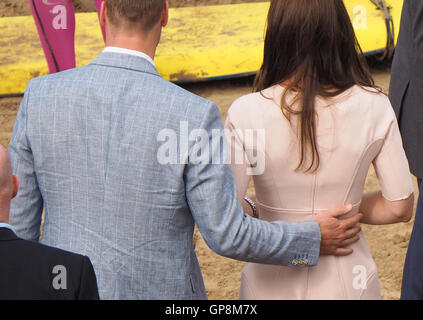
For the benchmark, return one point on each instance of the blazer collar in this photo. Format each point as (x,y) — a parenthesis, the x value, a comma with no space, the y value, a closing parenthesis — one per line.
(7,235)
(125,61)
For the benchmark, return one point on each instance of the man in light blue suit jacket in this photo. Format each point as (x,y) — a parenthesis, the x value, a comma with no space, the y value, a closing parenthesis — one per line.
(85,147)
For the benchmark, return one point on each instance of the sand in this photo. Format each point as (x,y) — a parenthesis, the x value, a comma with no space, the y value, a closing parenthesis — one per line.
(388,244)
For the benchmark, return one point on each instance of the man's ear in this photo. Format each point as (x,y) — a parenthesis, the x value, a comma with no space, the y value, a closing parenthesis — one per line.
(165,14)
(15,186)
(103,14)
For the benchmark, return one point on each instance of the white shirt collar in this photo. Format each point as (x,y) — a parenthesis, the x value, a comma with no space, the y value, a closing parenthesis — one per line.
(130,52)
(7,226)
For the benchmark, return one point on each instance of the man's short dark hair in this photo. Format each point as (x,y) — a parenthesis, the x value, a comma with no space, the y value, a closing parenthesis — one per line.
(145,13)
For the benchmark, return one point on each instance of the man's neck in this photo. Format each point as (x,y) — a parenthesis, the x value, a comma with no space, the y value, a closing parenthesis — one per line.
(133,43)
(4,211)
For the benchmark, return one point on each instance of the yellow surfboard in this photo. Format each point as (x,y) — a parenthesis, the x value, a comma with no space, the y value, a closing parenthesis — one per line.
(200,43)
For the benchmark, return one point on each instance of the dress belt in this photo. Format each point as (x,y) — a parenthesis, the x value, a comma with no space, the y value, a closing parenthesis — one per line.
(292,215)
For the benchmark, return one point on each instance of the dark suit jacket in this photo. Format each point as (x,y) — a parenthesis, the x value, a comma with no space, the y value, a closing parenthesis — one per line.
(27,271)
(412,281)
(406,90)
(406,93)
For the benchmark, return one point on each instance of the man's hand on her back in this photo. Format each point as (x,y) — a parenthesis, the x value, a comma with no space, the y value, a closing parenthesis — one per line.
(338,234)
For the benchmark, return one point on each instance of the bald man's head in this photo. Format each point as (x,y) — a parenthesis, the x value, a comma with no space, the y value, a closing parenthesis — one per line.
(8,184)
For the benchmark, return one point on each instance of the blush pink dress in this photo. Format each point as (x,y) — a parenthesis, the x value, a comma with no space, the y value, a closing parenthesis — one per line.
(354,130)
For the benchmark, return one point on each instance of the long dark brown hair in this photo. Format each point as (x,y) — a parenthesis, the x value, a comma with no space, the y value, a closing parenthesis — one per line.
(311,49)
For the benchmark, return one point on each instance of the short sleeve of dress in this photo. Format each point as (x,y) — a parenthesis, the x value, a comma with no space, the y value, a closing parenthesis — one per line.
(391,163)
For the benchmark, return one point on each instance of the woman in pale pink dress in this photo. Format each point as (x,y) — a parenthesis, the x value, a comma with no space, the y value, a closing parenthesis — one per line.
(325,123)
